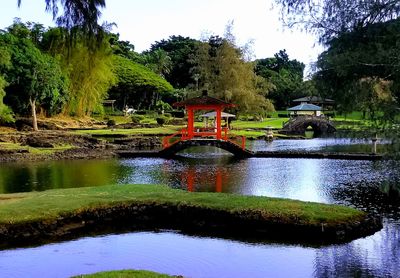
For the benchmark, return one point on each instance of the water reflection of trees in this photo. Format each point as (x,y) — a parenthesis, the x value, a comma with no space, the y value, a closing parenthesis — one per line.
(57,174)
(375,256)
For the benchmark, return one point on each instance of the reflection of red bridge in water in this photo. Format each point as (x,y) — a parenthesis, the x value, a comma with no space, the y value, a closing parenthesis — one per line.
(206,136)
(188,179)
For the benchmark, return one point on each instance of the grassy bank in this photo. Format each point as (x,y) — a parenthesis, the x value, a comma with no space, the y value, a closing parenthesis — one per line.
(55,214)
(35,206)
(33,150)
(125,274)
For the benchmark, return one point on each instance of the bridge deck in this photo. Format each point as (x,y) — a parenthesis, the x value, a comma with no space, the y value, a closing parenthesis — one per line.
(266,154)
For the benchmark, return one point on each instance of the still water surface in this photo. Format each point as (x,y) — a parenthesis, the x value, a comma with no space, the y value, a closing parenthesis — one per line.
(372,186)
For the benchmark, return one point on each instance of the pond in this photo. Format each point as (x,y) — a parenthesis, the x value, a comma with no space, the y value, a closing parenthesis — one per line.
(371,186)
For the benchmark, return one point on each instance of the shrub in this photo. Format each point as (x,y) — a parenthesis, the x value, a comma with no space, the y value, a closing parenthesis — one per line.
(110,122)
(161,120)
(141,112)
(177,114)
(283,115)
(167,115)
(137,118)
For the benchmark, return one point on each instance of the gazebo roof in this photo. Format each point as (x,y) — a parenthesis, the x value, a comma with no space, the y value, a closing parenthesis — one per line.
(214,114)
(315,99)
(305,107)
(203,101)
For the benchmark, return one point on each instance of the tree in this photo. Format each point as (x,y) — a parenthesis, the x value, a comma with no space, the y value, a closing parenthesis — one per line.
(330,18)
(77,13)
(124,49)
(6,114)
(35,79)
(89,69)
(355,61)
(136,85)
(285,74)
(180,50)
(225,74)
(159,61)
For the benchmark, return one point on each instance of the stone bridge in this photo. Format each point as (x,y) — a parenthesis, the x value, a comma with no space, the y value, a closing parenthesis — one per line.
(299,124)
(229,146)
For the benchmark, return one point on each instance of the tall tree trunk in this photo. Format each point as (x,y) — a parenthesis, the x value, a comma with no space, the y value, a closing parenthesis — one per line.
(34,118)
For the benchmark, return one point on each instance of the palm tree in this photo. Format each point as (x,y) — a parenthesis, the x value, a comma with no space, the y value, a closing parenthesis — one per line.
(83,14)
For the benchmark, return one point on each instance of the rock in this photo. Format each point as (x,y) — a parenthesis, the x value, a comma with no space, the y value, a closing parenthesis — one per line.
(38,142)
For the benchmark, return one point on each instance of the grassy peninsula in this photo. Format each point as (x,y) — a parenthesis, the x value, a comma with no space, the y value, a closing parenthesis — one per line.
(125,274)
(37,206)
(34,214)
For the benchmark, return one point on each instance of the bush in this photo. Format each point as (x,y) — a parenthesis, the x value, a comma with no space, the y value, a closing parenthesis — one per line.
(141,112)
(283,115)
(137,118)
(167,115)
(177,114)
(110,123)
(161,120)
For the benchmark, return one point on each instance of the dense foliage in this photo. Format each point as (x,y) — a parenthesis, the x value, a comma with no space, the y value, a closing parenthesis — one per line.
(6,114)
(179,49)
(136,85)
(224,73)
(331,18)
(359,69)
(35,79)
(286,75)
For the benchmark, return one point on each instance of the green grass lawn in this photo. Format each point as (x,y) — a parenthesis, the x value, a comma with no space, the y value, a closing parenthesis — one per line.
(132,131)
(275,123)
(48,205)
(15,146)
(124,274)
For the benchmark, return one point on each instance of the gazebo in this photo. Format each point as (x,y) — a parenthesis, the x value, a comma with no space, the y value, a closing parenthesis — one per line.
(305,109)
(213,115)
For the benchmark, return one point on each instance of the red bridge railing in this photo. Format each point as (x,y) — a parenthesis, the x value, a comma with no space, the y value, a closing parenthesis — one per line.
(205,133)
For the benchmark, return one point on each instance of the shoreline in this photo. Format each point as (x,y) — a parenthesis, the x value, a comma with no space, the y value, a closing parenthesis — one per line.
(63,213)
(42,146)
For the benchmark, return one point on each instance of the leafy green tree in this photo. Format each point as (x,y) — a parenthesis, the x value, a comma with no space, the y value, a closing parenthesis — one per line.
(159,61)
(355,61)
(180,50)
(331,18)
(35,79)
(285,74)
(89,69)
(136,85)
(124,49)
(225,74)
(6,114)
(77,13)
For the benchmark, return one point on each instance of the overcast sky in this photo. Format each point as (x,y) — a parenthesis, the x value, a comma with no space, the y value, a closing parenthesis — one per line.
(143,22)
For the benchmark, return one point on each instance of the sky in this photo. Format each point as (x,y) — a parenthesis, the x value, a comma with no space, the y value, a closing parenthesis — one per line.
(142,22)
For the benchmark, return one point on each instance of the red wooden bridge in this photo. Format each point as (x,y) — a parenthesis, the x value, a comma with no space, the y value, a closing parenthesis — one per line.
(216,135)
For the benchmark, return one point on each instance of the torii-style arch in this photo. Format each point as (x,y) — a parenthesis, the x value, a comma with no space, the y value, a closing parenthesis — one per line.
(214,135)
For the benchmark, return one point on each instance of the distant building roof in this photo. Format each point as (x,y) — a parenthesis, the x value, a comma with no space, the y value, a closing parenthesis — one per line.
(314,99)
(305,107)
(203,100)
(214,114)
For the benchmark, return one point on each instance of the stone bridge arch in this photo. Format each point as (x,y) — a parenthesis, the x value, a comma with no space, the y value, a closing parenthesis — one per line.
(298,125)
(221,144)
